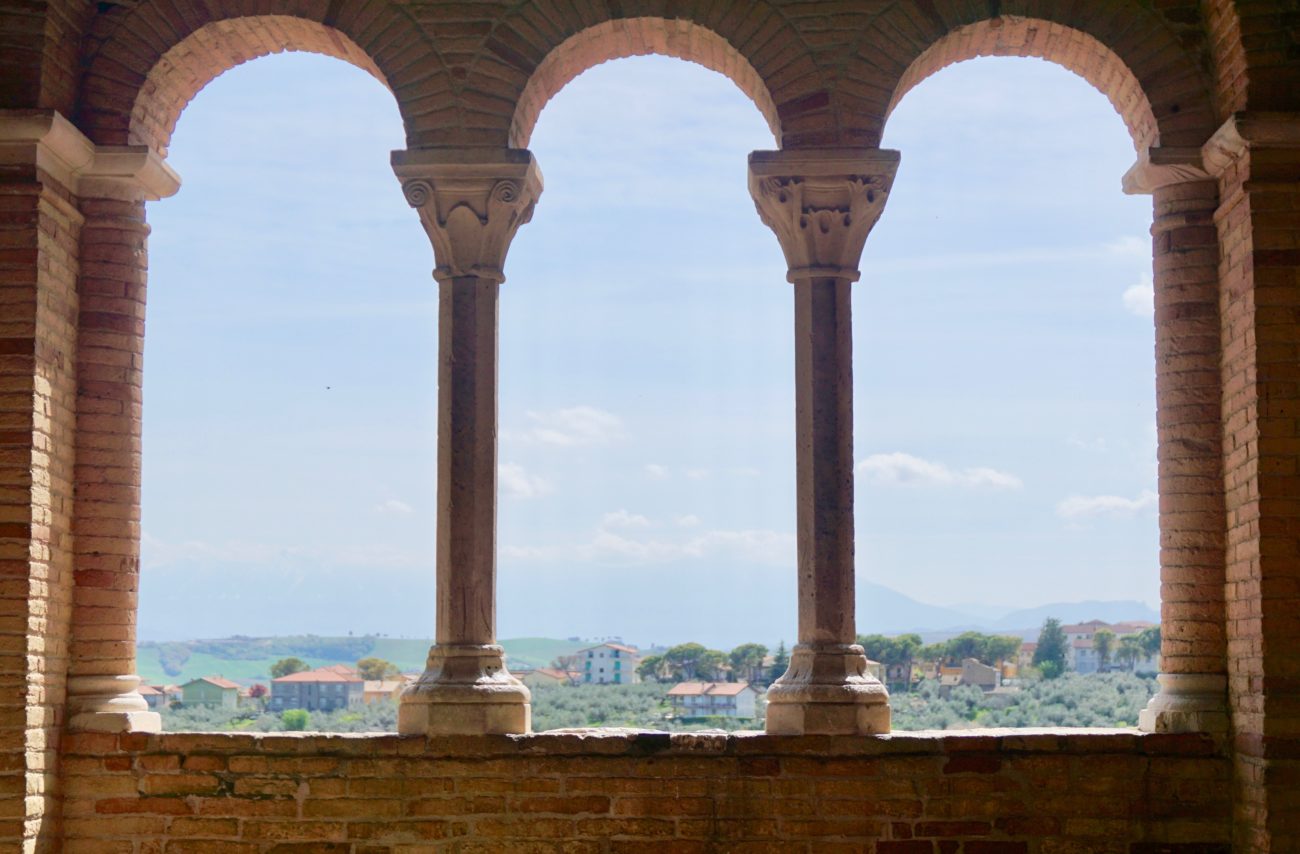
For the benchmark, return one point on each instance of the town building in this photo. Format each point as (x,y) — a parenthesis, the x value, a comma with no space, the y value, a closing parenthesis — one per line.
(211,691)
(547,676)
(609,664)
(376,690)
(154,696)
(322,690)
(714,699)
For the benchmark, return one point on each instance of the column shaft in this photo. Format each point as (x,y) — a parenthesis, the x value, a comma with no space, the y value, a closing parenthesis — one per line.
(102,682)
(1189,428)
(471,202)
(467,460)
(822,204)
(824,462)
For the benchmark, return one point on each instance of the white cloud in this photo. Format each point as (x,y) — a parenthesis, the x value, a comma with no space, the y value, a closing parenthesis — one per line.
(1140,298)
(516,482)
(1132,247)
(905,469)
(1079,506)
(394,507)
(624,519)
(697,474)
(623,538)
(571,427)
(654,471)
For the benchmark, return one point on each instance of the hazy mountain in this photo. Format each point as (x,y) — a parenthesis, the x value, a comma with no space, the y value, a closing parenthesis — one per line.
(1112,611)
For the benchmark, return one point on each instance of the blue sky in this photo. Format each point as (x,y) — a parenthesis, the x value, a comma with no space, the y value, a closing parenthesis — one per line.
(1003,363)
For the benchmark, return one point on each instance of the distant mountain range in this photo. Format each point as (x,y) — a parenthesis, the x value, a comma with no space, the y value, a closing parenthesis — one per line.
(883,610)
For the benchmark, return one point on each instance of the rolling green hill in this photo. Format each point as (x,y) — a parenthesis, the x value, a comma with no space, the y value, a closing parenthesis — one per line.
(248,660)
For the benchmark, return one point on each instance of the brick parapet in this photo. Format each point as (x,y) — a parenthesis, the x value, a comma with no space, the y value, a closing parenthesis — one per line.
(991,791)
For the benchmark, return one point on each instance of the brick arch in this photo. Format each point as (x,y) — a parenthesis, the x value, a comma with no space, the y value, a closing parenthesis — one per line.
(1144,65)
(537,46)
(155,58)
(636,37)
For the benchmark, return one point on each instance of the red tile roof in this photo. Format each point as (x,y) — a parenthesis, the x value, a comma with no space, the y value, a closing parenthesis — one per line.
(216,680)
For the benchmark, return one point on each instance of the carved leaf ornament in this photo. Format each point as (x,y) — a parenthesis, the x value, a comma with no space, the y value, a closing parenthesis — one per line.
(821,217)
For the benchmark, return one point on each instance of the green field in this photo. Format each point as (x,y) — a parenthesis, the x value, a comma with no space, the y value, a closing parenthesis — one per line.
(249,660)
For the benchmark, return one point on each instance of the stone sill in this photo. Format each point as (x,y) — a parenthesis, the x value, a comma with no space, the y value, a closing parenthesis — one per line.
(612,742)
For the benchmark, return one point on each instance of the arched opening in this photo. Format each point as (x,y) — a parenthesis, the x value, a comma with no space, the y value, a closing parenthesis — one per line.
(625,37)
(1006,429)
(1072,49)
(289,467)
(646,400)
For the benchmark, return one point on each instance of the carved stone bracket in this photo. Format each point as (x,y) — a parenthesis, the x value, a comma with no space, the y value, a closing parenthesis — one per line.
(1162,167)
(1243,131)
(822,204)
(471,203)
(54,145)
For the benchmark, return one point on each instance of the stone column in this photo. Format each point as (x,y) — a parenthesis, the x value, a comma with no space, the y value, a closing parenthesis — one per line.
(471,202)
(112,191)
(1189,391)
(822,204)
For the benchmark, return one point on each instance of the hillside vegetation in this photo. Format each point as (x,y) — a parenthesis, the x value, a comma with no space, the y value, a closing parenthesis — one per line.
(248,660)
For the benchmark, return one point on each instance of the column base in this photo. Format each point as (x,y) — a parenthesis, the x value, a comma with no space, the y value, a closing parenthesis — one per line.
(109,704)
(826,691)
(465,690)
(1188,702)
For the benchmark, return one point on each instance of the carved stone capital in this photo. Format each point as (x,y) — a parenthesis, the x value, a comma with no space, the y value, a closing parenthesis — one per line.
(471,202)
(54,145)
(822,204)
(1162,167)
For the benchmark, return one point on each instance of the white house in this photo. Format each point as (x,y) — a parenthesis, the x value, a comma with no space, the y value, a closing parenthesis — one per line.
(609,664)
(725,699)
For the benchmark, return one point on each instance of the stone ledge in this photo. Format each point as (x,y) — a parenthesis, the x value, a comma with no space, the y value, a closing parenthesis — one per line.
(644,743)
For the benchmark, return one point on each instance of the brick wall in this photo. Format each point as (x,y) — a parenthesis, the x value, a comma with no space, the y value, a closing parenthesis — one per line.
(38,308)
(1003,792)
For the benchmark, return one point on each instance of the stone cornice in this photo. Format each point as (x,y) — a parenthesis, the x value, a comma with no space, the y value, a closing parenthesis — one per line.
(471,202)
(55,146)
(822,204)
(1243,131)
(1163,167)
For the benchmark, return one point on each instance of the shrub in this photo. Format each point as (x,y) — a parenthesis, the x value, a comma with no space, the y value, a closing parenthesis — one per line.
(295,720)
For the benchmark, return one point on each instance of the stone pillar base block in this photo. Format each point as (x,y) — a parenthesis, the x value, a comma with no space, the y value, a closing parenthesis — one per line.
(827,691)
(827,719)
(109,703)
(1188,702)
(465,690)
(116,722)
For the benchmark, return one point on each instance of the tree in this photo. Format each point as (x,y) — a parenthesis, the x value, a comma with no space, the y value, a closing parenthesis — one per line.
(1130,651)
(1049,657)
(257,692)
(1104,643)
(747,661)
(287,666)
(780,662)
(1150,641)
(377,669)
(295,720)
(712,666)
(652,668)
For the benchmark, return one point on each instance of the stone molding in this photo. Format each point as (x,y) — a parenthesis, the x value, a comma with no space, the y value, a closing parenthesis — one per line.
(1188,702)
(1163,167)
(827,691)
(47,139)
(465,690)
(822,204)
(471,202)
(1246,130)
